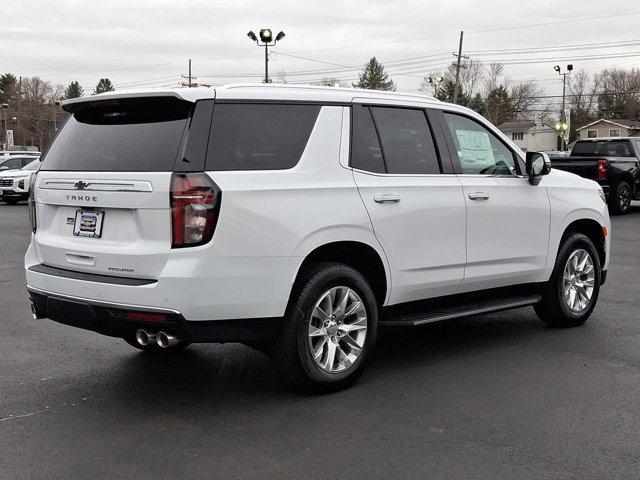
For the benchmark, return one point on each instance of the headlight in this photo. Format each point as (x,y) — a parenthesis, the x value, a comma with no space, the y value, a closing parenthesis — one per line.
(21,184)
(601,193)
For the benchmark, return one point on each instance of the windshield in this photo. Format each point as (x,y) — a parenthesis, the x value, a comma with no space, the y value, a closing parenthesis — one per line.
(135,135)
(32,166)
(604,148)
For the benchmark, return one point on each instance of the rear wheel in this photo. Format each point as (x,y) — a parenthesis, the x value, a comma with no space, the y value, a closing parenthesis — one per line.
(329,330)
(572,292)
(620,202)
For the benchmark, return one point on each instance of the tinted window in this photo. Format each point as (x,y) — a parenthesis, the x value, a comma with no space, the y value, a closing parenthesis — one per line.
(259,136)
(121,135)
(479,150)
(614,148)
(12,163)
(407,144)
(365,148)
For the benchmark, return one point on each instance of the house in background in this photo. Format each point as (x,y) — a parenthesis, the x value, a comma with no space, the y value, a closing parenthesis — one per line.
(614,127)
(531,136)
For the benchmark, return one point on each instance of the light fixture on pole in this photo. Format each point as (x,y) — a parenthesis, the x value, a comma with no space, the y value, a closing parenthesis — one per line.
(562,125)
(266,37)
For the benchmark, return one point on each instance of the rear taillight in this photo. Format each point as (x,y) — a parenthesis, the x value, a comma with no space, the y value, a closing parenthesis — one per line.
(195,203)
(32,203)
(602,169)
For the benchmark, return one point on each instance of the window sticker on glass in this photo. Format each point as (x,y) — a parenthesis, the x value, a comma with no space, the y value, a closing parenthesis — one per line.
(475,147)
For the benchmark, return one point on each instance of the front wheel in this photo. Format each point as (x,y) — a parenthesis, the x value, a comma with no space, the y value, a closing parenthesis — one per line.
(329,330)
(572,292)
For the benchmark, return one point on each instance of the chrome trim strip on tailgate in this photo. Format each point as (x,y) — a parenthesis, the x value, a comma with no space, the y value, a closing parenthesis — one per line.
(101,303)
(89,277)
(96,185)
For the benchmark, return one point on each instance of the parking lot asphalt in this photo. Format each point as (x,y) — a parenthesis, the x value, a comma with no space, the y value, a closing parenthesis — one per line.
(490,397)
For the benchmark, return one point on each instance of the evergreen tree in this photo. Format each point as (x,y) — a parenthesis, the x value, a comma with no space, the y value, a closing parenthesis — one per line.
(499,106)
(446,90)
(374,77)
(8,87)
(104,85)
(477,104)
(73,90)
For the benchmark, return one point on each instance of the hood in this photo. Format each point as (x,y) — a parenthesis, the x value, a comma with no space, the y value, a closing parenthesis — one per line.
(16,173)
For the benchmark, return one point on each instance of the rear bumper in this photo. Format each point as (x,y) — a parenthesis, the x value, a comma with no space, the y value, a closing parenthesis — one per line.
(113,319)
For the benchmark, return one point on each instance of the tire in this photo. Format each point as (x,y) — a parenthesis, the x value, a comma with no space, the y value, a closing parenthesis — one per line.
(554,309)
(155,349)
(324,285)
(620,201)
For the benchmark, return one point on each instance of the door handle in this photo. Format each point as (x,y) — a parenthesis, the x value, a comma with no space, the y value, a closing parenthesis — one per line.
(388,198)
(479,196)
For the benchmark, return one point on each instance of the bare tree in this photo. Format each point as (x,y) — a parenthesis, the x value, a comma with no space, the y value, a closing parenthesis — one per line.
(281,76)
(583,97)
(618,93)
(492,76)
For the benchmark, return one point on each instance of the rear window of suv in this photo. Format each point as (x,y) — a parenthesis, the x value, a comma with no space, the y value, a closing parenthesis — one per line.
(120,135)
(253,136)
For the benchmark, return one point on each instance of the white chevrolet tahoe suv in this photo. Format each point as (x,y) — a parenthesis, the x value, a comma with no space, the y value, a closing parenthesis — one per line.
(299,219)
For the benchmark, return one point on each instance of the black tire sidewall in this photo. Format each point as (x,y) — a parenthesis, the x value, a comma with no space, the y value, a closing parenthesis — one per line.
(321,278)
(616,208)
(573,243)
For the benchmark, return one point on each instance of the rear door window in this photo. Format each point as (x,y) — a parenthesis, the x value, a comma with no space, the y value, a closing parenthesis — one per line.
(134,135)
(407,142)
(253,136)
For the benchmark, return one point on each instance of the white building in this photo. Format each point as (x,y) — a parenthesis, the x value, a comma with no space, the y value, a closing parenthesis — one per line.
(530,135)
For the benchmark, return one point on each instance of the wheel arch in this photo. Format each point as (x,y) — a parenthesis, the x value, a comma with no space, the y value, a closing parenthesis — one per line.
(362,256)
(592,229)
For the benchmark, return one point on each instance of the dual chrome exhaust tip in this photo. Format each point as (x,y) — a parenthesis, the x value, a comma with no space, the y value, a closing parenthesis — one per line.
(161,339)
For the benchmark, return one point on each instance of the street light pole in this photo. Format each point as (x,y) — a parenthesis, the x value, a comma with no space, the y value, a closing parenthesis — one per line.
(266,63)
(562,125)
(4,107)
(267,41)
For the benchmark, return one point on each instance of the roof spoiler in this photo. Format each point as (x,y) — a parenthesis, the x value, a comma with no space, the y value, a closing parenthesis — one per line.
(74,104)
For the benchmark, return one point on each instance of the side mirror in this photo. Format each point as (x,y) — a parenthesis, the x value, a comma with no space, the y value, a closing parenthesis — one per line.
(538,164)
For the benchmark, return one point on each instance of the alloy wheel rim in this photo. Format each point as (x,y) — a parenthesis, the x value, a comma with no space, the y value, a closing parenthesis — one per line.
(625,197)
(337,329)
(578,280)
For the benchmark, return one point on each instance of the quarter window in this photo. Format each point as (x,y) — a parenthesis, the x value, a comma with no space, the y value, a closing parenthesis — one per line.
(407,143)
(259,136)
(366,153)
(480,152)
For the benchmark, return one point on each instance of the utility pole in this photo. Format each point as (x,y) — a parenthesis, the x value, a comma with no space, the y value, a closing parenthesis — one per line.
(189,77)
(458,66)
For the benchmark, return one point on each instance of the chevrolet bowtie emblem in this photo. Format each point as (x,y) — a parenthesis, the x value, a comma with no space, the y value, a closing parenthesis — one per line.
(81,185)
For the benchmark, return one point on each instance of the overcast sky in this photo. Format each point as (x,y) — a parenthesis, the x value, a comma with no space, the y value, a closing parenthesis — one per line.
(148,42)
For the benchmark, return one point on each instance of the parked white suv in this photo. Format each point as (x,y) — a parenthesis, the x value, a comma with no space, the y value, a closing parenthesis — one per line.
(299,219)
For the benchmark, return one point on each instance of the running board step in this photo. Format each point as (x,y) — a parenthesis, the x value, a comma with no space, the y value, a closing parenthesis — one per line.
(464,310)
